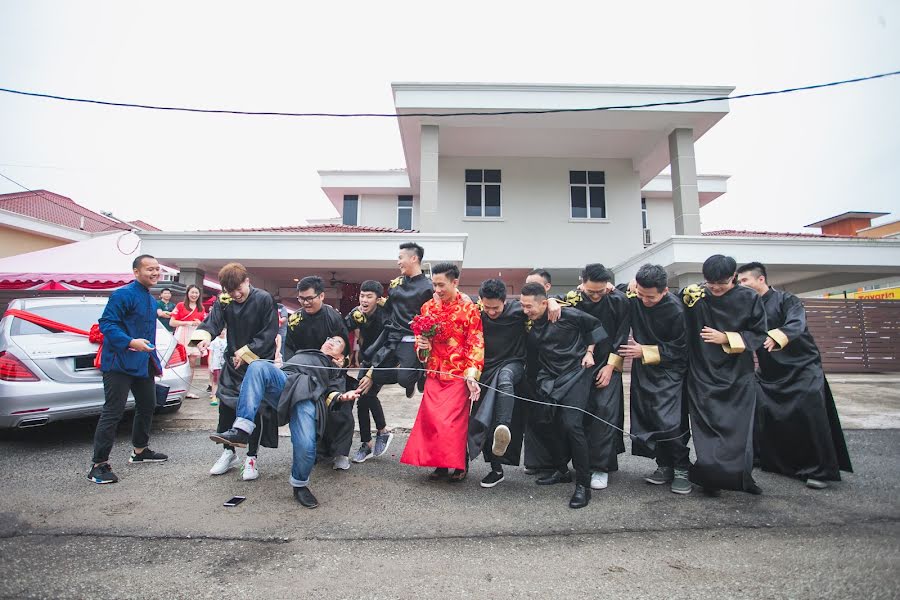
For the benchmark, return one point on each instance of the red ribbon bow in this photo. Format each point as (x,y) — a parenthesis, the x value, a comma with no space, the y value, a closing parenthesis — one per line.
(94,336)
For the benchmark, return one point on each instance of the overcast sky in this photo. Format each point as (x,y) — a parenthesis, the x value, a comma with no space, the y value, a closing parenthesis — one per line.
(793,159)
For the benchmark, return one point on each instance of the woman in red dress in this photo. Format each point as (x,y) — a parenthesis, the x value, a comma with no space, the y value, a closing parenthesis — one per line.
(454,358)
(186,317)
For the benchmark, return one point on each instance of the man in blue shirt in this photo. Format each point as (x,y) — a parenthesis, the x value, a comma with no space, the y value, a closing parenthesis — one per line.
(129,363)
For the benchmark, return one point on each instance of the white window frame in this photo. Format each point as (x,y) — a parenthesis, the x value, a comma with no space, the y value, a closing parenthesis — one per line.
(587,190)
(466,184)
(412,203)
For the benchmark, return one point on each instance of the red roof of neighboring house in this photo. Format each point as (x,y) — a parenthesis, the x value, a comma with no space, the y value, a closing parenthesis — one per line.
(324,228)
(145,225)
(771,234)
(60,210)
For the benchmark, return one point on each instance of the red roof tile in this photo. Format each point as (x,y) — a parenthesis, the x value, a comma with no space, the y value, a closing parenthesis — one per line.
(56,209)
(771,234)
(145,225)
(324,228)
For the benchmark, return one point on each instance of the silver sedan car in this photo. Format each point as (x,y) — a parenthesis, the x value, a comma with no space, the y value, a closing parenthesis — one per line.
(46,375)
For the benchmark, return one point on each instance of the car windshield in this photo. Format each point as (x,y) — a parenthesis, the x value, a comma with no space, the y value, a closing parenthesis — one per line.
(81,316)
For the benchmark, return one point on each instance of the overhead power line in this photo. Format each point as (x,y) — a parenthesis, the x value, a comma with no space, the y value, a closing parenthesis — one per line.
(453,114)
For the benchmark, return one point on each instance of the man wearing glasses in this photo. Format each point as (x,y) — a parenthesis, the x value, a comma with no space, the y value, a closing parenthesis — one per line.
(252,322)
(308,329)
(725,325)
(599,298)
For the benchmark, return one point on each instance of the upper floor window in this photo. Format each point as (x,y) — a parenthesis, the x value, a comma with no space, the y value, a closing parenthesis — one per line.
(644,213)
(351,210)
(587,193)
(483,193)
(404,212)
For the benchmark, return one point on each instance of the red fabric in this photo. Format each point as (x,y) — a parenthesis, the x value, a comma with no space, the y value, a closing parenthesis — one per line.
(17,285)
(459,343)
(183,313)
(438,438)
(94,336)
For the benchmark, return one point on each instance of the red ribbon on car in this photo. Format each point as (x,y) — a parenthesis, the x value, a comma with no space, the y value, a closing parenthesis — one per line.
(94,336)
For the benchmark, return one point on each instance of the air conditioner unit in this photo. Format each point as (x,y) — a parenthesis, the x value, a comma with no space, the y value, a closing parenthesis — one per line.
(648,240)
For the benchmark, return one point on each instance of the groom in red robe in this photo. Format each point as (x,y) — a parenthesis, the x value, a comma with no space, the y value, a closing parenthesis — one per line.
(454,358)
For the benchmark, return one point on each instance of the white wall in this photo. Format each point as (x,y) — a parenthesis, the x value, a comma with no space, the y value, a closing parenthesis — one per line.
(660,219)
(381,210)
(535,229)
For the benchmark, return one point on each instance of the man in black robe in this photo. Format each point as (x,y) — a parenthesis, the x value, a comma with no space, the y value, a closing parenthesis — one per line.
(798,432)
(497,412)
(597,297)
(658,349)
(539,430)
(367,320)
(393,354)
(725,324)
(252,321)
(308,329)
(300,393)
(565,357)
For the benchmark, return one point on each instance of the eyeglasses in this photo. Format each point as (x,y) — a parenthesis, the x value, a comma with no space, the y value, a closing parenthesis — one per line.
(307,299)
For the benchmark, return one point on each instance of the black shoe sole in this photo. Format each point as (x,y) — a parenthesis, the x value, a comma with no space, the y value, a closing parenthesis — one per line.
(555,481)
(147,460)
(220,440)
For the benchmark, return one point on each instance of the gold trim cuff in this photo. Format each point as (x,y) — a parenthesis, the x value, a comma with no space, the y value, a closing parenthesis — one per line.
(473,373)
(650,355)
(245,354)
(199,335)
(779,337)
(616,361)
(368,373)
(735,343)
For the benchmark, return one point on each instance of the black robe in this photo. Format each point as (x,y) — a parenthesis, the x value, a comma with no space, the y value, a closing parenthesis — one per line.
(608,403)
(657,380)
(311,376)
(798,430)
(405,298)
(721,385)
(252,327)
(504,345)
(309,331)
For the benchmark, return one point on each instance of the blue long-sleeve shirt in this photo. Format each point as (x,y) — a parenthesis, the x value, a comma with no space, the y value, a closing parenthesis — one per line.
(130,313)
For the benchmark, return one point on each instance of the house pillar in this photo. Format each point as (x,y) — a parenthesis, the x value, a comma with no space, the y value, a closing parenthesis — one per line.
(191,276)
(428,178)
(685,197)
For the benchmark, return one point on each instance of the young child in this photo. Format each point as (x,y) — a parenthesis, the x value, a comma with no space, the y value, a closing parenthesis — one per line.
(216,363)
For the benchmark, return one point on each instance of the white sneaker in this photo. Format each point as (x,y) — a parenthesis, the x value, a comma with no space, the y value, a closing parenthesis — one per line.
(226,462)
(249,472)
(341,463)
(599,480)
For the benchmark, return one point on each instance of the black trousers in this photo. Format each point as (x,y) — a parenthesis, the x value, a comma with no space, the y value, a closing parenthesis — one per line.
(404,355)
(370,404)
(338,435)
(227,415)
(674,453)
(569,424)
(115,391)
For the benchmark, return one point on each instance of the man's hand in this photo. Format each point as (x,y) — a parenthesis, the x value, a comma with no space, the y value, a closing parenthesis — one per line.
(713,336)
(604,375)
(770,344)
(588,361)
(140,345)
(631,350)
(236,362)
(349,396)
(365,384)
(423,343)
(474,389)
(553,310)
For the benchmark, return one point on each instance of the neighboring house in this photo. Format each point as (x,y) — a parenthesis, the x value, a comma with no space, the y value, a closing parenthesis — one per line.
(40,219)
(501,194)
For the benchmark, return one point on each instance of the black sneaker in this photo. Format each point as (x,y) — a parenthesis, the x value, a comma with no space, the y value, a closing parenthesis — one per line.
(420,384)
(102,474)
(305,497)
(232,437)
(492,479)
(411,389)
(147,456)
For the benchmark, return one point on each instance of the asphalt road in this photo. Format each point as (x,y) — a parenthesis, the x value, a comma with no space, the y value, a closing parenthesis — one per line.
(382,531)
